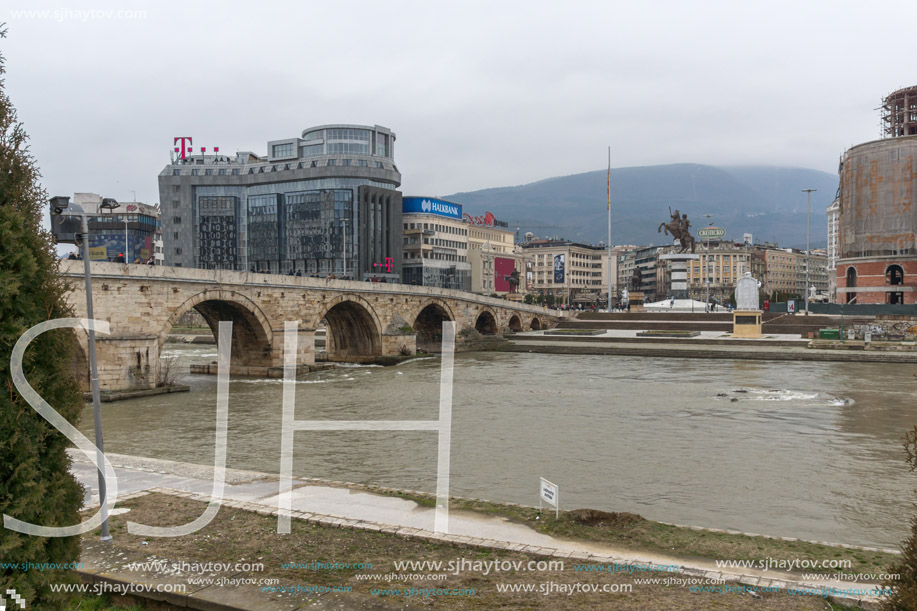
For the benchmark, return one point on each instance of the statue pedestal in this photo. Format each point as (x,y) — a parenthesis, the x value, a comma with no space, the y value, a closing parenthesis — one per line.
(678,272)
(635,301)
(746,323)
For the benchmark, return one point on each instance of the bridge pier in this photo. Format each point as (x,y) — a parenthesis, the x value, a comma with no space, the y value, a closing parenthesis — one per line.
(398,343)
(125,362)
(305,352)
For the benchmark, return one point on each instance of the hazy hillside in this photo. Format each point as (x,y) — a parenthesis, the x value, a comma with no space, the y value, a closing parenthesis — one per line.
(764,201)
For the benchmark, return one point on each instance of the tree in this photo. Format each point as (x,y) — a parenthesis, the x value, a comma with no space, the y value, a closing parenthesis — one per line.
(35,483)
(904,589)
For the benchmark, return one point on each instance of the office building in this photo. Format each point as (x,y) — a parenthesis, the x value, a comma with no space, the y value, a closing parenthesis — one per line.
(435,244)
(324,203)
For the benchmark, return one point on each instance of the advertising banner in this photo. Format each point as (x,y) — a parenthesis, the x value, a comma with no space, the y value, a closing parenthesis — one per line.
(503,268)
(98,253)
(431,205)
(559,264)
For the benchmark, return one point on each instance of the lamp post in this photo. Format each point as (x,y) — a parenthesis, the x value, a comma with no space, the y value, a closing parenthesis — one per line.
(707,264)
(808,193)
(62,206)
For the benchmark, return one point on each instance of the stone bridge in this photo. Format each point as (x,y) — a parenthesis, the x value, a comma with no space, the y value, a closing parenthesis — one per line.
(364,320)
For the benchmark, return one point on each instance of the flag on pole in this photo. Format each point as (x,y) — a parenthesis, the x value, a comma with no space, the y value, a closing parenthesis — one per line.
(609,179)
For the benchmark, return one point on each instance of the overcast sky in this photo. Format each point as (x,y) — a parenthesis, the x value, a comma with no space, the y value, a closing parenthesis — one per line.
(480,94)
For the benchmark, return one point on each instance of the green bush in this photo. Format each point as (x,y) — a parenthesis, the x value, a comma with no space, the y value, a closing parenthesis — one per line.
(35,483)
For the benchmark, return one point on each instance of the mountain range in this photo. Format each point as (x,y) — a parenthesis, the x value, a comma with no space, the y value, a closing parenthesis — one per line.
(765,201)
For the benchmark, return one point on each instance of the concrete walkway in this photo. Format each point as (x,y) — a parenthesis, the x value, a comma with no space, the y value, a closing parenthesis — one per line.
(354,506)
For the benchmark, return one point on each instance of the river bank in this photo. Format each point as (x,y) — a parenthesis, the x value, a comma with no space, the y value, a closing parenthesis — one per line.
(350,523)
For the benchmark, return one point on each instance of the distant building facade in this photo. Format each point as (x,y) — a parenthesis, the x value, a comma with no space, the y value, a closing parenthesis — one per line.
(324,203)
(833,213)
(131,231)
(569,272)
(491,252)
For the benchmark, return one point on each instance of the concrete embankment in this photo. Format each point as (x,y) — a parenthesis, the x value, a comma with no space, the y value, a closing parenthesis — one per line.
(120,395)
(699,348)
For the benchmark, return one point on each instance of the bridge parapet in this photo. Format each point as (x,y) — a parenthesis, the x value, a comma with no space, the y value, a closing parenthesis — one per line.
(363,319)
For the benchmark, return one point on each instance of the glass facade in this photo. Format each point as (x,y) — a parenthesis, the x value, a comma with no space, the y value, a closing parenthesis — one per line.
(311,150)
(284,150)
(264,231)
(303,226)
(442,277)
(382,147)
(218,222)
(128,234)
(319,231)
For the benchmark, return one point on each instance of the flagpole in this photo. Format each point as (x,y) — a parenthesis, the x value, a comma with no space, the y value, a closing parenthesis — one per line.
(610,280)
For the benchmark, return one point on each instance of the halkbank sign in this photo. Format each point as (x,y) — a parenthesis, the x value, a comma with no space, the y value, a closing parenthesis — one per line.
(431,205)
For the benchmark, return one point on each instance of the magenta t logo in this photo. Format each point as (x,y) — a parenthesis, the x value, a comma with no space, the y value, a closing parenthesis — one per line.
(185,141)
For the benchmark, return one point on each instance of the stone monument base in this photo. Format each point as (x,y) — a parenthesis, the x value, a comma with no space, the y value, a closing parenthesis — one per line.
(746,323)
(635,301)
(678,267)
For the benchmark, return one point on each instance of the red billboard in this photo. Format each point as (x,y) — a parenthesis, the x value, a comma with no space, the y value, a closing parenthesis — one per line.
(503,273)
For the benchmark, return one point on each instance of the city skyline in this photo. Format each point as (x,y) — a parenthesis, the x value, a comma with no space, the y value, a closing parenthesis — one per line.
(497,96)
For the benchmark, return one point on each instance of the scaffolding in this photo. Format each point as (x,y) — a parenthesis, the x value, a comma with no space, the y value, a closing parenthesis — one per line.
(899,113)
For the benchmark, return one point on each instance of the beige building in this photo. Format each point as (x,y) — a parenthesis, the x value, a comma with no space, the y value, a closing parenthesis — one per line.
(435,248)
(489,248)
(571,273)
(725,264)
(786,271)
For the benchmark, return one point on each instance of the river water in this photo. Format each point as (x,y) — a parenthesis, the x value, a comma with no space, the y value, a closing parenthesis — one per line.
(808,450)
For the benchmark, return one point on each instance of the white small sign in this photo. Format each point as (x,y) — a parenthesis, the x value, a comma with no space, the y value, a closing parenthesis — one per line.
(550,494)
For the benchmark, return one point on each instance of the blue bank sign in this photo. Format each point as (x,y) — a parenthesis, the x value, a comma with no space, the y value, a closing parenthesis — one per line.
(431,205)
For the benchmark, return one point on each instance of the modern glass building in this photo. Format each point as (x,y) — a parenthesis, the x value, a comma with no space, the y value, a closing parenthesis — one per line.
(324,203)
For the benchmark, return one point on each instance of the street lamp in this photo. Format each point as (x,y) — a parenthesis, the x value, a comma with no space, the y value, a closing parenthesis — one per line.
(61,206)
(808,193)
(707,264)
(110,204)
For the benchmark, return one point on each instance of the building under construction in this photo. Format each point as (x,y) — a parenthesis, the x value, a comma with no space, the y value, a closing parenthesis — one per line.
(877,220)
(899,113)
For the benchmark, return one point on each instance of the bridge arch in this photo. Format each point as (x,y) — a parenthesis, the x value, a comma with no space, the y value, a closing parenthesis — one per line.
(486,323)
(535,325)
(354,328)
(428,324)
(252,336)
(515,323)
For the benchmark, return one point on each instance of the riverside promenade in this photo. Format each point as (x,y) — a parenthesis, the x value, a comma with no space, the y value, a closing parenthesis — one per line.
(357,507)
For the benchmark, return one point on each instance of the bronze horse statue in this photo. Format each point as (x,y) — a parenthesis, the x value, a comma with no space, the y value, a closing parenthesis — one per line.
(680,229)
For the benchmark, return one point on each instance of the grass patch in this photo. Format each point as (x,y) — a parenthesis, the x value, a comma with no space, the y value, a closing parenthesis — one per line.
(104,603)
(634,533)
(239,536)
